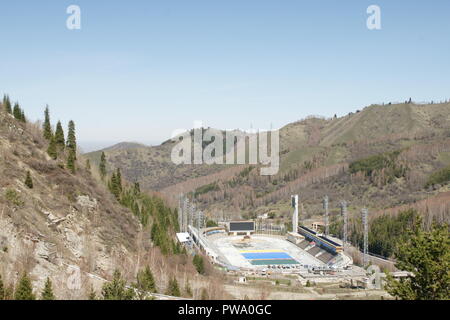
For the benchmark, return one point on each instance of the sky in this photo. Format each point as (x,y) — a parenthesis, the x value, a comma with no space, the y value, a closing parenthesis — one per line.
(138,70)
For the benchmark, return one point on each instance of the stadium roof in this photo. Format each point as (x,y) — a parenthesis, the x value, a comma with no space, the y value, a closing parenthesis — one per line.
(183,237)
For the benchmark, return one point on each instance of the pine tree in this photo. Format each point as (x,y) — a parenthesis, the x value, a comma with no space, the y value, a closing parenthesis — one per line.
(204,295)
(188,289)
(2,289)
(22,117)
(116,290)
(47,126)
(114,185)
(59,136)
(119,181)
(173,289)
(29,181)
(71,139)
(7,104)
(145,281)
(92,294)
(47,293)
(51,150)
(71,161)
(88,165)
(24,290)
(198,263)
(102,166)
(137,188)
(17,112)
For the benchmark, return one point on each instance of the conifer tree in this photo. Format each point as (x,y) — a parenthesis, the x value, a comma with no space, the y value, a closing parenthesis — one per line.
(102,166)
(119,181)
(145,281)
(24,290)
(47,126)
(92,294)
(51,150)
(204,295)
(47,293)
(59,136)
(17,113)
(114,184)
(173,288)
(22,116)
(88,165)
(7,104)
(2,289)
(188,289)
(29,181)
(71,139)
(198,263)
(137,188)
(71,161)
(116,289)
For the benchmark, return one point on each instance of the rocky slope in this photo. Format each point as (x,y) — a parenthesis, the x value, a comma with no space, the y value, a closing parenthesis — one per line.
(67,225)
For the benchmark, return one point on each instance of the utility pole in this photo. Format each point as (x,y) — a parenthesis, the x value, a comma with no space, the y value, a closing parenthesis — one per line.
(365,222)
(325,206)
(345,215)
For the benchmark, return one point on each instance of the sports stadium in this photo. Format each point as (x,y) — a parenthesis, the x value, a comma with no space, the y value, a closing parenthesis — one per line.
(236,246)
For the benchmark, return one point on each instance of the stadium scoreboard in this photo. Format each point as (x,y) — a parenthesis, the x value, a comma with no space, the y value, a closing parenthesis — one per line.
(242,226)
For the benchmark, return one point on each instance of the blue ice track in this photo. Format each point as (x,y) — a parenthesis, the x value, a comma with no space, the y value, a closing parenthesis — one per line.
(266,255)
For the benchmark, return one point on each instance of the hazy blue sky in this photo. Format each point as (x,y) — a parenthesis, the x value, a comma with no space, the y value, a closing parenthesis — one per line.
(137,70)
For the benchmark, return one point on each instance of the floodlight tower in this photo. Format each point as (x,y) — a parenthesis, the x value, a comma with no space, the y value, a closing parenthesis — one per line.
(180,212)
(185,214)
(345,215)
(365,222)
(192,215)
(199,224)
(294,203)
(325,206)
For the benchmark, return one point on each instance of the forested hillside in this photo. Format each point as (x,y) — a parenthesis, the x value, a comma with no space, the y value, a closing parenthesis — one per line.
(67,226)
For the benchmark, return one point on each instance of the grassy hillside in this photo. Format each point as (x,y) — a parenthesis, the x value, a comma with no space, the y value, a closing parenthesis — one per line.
(406,143)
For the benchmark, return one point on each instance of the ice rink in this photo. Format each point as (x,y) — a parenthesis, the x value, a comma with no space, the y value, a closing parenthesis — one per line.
(260,250)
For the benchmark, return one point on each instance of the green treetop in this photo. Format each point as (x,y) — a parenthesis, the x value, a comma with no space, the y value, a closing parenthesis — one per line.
(173,288)
(88,165)
(426,256)
(51,150)
(116,289)
(2,289)
(47,293)
(24,290)
(71,161)
(145,281)
(71,139)
(47,126)
(59,136)
(102,166)
(7,104)
(17,112)
(29,181)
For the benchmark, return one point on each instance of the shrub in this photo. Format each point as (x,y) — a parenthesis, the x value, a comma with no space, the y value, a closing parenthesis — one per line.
(13,197)
(199,264)
(386,162)
(439,177)
(29,181)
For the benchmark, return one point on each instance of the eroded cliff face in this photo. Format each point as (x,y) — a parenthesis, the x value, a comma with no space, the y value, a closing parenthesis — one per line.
(67,227)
